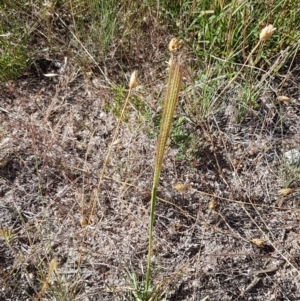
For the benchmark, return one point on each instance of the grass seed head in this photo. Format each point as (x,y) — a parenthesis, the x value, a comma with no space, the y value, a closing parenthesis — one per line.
(285,191)
(133,80)
(266,33)
(258,242)
(212,205)
(83,221)
(283,98)
(180,187)
(173,45)
(52,265)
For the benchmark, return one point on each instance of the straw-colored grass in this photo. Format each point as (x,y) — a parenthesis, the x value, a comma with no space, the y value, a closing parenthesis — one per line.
(173,87)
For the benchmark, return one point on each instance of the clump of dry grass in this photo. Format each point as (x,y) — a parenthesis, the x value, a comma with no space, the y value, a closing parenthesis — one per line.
(132,84)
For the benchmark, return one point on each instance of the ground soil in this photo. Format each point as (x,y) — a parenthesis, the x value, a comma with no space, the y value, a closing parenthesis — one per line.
(228,234)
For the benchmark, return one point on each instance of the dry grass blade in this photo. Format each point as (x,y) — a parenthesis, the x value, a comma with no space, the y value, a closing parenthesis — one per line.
(132,84)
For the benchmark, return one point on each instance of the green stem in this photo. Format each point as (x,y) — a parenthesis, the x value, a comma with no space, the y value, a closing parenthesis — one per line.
(150,235)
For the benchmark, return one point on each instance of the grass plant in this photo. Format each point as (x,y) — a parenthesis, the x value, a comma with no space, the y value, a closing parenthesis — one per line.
(102,23)
(87,220)
(173,87)
(14,55)
(51,268)
(223,36)
(266,34)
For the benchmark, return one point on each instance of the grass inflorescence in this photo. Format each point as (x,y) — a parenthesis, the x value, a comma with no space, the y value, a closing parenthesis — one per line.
(173,87)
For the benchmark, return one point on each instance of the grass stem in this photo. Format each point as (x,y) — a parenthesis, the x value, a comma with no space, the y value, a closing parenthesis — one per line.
(173,87)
